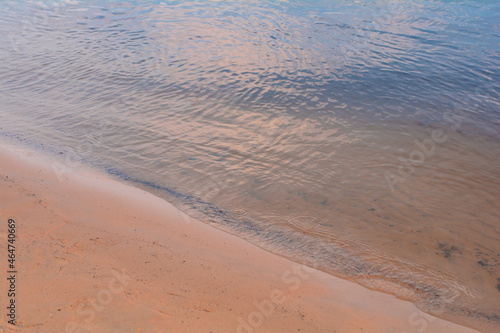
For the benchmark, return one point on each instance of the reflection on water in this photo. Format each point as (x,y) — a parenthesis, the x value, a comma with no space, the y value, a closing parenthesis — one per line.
(358,137)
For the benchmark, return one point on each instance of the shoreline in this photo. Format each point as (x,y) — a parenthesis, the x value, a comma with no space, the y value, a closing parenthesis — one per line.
(94,254)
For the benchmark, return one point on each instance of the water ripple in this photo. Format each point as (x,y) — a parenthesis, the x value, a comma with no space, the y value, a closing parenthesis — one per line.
(312,118)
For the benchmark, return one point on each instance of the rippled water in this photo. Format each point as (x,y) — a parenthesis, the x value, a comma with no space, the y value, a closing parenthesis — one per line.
(359,137)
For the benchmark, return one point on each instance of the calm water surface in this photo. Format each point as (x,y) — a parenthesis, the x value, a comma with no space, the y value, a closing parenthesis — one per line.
(358,137)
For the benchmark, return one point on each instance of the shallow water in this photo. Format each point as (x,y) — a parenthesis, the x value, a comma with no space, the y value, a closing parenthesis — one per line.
(361,138)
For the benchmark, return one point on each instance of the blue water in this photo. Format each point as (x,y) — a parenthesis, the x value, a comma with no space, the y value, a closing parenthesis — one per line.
(303,127)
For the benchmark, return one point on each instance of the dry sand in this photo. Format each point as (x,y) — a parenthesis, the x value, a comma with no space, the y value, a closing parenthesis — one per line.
(95,255)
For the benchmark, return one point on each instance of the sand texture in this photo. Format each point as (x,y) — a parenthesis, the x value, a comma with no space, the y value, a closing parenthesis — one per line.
(95,255)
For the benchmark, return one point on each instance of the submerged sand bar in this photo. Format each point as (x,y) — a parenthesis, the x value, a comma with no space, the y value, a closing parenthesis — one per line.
(96,255)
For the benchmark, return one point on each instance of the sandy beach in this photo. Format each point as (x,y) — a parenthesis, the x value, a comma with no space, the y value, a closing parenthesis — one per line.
(95,255)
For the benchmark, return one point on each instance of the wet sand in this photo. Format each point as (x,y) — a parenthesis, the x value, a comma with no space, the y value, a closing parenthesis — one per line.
(95,255)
